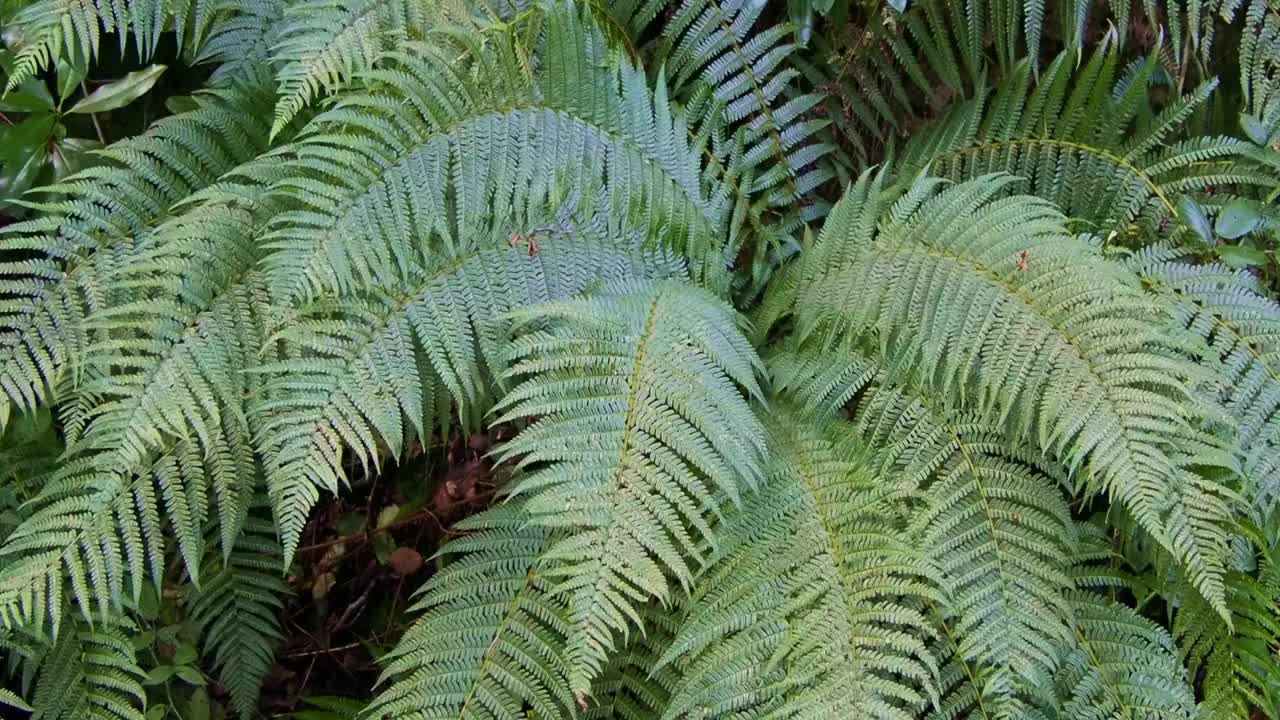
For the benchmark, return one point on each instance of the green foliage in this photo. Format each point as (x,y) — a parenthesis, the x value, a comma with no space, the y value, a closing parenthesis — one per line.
(988,429)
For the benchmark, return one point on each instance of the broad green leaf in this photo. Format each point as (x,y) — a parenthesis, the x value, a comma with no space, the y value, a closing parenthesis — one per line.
(159,675)
(26,155)
(185,654)
(1196,219)
(1240,256)
(190,675)
(71,155)
(120,92)
(30,97)
(1238,219)
(198,705)
(1254,129)
(70,75)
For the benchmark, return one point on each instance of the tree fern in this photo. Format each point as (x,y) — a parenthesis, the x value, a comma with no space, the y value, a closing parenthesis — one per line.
(1014,457)
(168,433)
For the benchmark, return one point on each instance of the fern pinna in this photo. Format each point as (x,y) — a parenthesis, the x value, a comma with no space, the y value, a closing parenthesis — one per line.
(942,382)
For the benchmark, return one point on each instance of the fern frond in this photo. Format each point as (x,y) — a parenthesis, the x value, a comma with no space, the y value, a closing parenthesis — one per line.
(321,46)
(11,699)
(813,605)
(377,365)
(239,44)
(987,301)
(48,30)
(491,637)
(167,431)
(716,45)
(401,145)
(1121,665)
(1260,67)
(238,608)
(637,391)
(721,63)
(90,674)
(97,210)
(1087,140)
(511,207)
(1240,327)
(1241,664)
(990,510)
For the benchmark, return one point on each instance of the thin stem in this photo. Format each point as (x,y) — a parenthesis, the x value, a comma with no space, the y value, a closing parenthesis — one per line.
(94,116)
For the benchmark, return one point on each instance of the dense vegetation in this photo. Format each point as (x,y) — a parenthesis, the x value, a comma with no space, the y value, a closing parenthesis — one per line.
(711,359)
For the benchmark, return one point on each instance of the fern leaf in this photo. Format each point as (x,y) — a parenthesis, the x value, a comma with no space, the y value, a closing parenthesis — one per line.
(813,606)
(1121,665)
(48,30)
(736,78)
(321,46)
(1079,139)
(989,510)
(51,295)
(490,640)
(641,420)
(90,674)
(10,699)
(375,360)
(611,168)
(977,297)
(238,607)
(635,685)
(1240,327)
(169,429)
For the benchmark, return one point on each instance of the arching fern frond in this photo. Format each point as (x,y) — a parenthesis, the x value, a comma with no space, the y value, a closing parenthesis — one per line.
(986,299)
(586,178)
(239,44)
(813,607)
(640,397)
(989,509)
(1088,140)
(49,297)
(1240,326)
(377,366)
(167,432)
(491,637)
